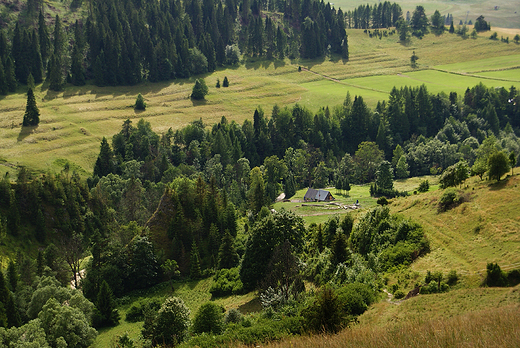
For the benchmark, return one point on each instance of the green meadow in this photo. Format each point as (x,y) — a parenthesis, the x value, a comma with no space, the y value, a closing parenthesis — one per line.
(74,121)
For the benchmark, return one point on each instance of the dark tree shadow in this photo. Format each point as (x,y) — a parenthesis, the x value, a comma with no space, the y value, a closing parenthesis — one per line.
(25,132)
(499,185)
(251,307)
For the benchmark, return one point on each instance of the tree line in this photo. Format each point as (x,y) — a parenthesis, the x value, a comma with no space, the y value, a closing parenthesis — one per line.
(124,43)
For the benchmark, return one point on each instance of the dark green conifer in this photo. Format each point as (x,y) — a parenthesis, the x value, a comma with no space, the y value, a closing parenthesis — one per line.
(227,255)
(195,271)
(32,114)
(106,307)
(225,83)
(104,163)
(12,275)
(3,81)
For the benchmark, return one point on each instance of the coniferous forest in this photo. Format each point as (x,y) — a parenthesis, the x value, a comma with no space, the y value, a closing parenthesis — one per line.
(196,203)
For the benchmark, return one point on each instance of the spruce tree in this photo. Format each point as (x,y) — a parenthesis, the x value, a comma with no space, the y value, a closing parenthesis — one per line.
(12,275)
(44,39)
(140,104)
(227,255)
(3,81)
(10,76)
(30,82)
(199,90)
(225,83)
(32,114)
(106,307)
(104,163)
(54,73)
(195,272)
(40,264)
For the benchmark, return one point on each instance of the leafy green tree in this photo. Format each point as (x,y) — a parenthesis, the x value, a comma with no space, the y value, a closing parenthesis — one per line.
(107,314)
(140,104)
(367,158)
(66,326)
(200,90)
(32,113)
(517,38)
(170,325)
(266,234)
(401,170)
(171,270)
(209,319)
(454,175)
(498,165)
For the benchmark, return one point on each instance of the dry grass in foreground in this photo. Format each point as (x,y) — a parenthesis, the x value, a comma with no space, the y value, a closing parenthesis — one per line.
(496,327)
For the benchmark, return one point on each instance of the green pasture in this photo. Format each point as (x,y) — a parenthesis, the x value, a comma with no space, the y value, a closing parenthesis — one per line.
(74,121)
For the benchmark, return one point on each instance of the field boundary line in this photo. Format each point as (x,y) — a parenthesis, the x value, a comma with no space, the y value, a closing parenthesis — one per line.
(478,76)
(344,83)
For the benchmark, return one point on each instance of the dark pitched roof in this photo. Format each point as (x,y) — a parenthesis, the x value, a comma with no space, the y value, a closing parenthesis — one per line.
(316,195)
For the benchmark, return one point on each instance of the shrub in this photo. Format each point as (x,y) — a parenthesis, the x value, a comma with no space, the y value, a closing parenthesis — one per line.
(208,319)
(226,282)
(452,277)
(136,311)
(495,276)
(513,277)
(233,316)
(424,186)
(399,294)
(448,199)
(382,201)
(355,298)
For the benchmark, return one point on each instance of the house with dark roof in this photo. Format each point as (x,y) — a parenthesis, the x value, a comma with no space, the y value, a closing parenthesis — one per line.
(319,195)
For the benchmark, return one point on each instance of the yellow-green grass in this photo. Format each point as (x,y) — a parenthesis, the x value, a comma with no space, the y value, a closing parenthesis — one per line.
(74,121)
(485,228)
(193,293)
(485,64)
(512,75)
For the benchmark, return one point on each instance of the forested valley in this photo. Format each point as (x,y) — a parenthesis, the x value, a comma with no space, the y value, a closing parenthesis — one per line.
(192,204)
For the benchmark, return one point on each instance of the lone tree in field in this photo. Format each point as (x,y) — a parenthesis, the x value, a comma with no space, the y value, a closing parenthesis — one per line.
(498,165)
(413,60)
(225,83)
(32,114)
(140,104)
(200,89)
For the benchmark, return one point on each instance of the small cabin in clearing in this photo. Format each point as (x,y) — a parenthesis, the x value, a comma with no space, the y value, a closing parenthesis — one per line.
(314,195)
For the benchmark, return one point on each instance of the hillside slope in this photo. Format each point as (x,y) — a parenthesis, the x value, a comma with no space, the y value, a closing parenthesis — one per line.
(485,228)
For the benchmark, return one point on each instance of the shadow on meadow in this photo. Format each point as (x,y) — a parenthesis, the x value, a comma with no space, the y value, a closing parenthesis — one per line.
(25,132)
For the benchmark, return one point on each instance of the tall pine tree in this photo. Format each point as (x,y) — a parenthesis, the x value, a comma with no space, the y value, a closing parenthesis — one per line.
(32,114)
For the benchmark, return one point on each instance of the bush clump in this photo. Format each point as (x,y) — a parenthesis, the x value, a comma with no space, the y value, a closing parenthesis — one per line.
(449,199)
(137,309)
(424,186)
(226,282)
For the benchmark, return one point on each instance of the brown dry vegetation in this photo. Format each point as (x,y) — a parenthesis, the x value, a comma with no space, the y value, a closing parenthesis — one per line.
(497,327)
